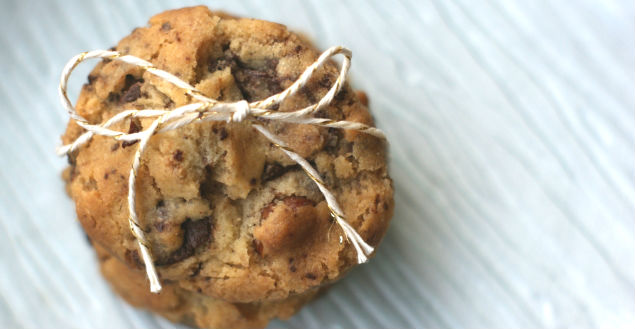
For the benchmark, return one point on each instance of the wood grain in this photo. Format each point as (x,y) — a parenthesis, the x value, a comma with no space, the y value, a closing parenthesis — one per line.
(512,152)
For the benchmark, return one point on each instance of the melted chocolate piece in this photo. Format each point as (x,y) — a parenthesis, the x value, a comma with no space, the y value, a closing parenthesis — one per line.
(275,170)
(178,156)
(132,93)
(196,233)
(135,127)
(131,89)
(255,82)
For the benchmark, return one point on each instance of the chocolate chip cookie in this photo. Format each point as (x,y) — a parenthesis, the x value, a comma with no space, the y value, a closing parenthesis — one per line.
(230,218)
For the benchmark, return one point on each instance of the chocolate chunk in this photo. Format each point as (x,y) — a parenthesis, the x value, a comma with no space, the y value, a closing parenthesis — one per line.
(132,93)
(114,147)
(222,133)
(310,276)
(196,233)
(274,170)
(258,83)
(135,127)
(257,246)
(131,89)
(178,156)
(254,81)
(91,79)
(166,27)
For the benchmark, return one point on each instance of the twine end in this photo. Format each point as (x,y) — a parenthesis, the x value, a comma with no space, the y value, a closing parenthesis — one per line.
(155,287)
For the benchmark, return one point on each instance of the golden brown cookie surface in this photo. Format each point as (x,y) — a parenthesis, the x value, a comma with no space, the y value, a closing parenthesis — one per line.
(228,214)
(192,308)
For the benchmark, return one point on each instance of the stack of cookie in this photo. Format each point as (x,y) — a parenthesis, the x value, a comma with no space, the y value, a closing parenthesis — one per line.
(239,233)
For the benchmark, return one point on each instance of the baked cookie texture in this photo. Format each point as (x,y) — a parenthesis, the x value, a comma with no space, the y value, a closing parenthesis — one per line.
(230,218)
(191,308)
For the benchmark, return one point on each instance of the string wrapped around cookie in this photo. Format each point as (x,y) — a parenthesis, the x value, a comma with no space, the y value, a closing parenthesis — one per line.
(207,109)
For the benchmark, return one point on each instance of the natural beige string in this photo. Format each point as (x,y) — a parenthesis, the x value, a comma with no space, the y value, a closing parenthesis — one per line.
(207,109)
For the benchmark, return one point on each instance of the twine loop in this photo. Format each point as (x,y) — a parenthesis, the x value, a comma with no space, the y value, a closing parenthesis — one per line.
(204,108)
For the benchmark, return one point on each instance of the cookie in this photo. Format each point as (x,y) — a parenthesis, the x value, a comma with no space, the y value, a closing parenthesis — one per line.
(228,215)
(192,308)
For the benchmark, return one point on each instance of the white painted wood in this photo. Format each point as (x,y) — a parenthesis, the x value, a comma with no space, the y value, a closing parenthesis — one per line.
(512,153)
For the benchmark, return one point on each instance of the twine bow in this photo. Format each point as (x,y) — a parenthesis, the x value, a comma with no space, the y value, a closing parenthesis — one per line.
(207,109)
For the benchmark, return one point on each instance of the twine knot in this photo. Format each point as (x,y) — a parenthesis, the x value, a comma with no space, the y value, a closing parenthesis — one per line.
(207,109)
(241,111)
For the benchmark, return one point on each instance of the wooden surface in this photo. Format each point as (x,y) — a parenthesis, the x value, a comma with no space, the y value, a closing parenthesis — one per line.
(512,134)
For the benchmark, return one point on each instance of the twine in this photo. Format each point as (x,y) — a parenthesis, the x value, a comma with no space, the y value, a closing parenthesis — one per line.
(207,109)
